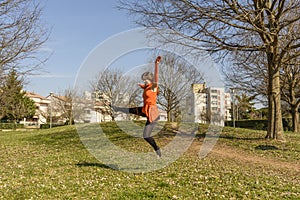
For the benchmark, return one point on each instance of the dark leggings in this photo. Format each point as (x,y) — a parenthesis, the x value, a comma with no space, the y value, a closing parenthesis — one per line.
(148,126)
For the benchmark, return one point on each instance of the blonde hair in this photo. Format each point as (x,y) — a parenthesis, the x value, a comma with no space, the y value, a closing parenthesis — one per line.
(147,76)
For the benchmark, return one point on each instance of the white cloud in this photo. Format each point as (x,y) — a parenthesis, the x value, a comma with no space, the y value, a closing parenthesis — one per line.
(50,76)
(46,49)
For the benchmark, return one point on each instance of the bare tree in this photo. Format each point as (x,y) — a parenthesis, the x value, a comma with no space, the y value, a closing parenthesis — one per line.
(252,68)
(22,35)
(290,91)
(62,107)
(175,80)
(67,106)
(117,89)
(225,26)
(290,74)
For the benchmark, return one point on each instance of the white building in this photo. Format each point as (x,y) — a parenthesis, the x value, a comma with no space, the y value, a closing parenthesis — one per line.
(91,108)
(198,103)
(209,104)
(227,107)
(41,114)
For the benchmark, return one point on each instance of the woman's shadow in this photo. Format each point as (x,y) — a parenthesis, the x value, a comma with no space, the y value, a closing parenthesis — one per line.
(266,147)
(100,165)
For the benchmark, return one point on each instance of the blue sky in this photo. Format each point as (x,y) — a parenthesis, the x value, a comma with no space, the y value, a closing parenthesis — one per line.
(77,27)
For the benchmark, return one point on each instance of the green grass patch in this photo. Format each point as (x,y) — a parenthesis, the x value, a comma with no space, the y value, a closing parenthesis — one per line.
(54,164)
(254,141)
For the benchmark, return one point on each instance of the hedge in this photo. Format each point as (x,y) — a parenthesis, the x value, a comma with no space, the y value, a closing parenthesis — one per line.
(11,126)
(259,124)
(46,126)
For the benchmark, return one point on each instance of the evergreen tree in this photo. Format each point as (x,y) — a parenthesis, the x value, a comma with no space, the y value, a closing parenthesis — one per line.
(244,106)
(14,104)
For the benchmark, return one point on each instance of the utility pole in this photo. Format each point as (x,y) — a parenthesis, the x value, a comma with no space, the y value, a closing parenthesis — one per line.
(233,111)
(51,94)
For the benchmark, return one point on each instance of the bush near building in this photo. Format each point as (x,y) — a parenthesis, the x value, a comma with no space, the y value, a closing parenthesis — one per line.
(258,124)
(10,126)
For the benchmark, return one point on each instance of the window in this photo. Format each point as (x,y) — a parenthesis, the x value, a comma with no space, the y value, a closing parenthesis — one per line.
(214,103)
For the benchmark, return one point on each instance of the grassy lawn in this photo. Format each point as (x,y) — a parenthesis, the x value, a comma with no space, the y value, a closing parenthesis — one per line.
(54,164)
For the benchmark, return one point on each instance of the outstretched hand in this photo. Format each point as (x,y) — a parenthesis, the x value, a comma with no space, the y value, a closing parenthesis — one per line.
(158,59)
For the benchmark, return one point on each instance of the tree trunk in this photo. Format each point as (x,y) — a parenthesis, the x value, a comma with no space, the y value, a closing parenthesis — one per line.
(275,127)
(295,116)
(169,119)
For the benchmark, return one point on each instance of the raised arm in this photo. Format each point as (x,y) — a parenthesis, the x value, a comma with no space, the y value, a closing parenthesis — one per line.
(156,71)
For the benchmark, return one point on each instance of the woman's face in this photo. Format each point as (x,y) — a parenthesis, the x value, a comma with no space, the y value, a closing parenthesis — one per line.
(147,81)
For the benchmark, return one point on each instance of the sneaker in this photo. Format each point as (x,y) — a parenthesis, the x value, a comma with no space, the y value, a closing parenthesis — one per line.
(158,153)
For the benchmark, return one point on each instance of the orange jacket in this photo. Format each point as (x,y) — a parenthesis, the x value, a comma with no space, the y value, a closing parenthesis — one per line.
(150,108)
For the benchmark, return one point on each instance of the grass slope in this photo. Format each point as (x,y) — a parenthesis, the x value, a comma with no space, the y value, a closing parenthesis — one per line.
(54,164)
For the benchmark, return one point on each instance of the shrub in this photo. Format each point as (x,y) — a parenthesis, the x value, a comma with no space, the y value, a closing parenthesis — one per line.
(46,126)
(11,126)
(258,124)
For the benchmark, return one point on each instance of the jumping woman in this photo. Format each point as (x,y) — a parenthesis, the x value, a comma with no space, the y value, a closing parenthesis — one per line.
(149,109)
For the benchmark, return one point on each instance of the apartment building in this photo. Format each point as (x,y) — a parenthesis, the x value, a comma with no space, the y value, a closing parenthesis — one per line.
(41,114)
(209,104)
